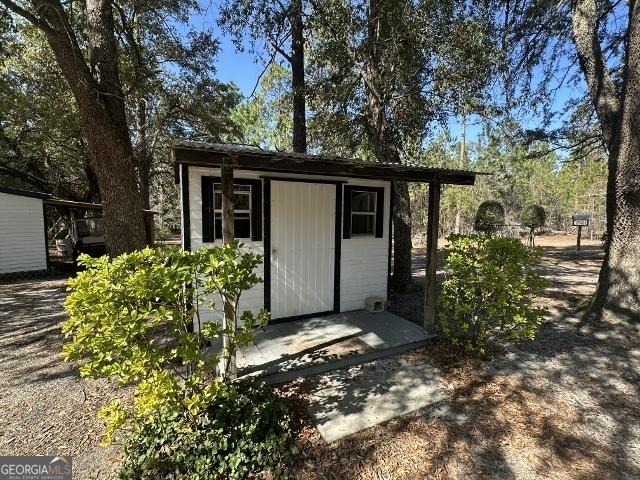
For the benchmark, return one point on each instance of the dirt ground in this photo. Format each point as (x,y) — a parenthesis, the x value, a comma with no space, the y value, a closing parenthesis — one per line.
(45,408)
(565,406)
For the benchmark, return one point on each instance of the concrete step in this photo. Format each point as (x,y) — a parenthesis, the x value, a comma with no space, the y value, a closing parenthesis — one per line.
(274,376)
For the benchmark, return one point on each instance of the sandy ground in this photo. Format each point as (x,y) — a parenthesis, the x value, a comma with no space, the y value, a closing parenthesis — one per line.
(46,408)
(566,406)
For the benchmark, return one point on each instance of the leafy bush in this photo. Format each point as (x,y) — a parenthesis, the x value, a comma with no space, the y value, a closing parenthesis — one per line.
(487,293)
(131,318)
(533,216)
(489,217)
(243,430)
(162,233)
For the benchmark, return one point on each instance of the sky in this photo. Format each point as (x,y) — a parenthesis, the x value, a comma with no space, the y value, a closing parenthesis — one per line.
(232,66)
(238,67)
(243,69)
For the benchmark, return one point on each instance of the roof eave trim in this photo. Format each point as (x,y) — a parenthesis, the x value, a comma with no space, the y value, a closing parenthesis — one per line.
(194,157)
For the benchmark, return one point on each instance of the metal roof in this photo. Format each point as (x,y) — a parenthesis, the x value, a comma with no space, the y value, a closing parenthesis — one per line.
(254,158)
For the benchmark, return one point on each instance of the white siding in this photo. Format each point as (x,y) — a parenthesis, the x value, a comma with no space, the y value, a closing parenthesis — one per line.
(365,261)
(252,299)
(22,243)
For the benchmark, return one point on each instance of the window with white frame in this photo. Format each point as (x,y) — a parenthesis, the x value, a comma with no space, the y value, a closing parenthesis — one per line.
(241,210)
(363,213)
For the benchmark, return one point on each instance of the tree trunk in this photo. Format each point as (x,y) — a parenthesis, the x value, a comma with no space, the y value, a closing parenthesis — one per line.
(402,274)
(144,156)
(384,141)
(297,80)
(463,154)
(618,290)
(230,320)
(93,191)
(96,88)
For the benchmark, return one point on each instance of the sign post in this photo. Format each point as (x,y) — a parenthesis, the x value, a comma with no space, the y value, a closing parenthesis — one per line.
(580,220)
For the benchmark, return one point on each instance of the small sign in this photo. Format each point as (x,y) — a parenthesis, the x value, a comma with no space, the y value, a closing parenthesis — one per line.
(581,219)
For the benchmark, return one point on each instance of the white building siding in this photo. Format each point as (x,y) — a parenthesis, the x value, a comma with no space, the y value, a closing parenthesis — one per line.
(22,243)
(364,261)
(252,299)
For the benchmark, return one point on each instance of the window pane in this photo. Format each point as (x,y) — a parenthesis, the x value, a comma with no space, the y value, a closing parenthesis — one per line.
(241,201)
(240,197)
(242,228)
(241,225)
(362,224)
(363,201)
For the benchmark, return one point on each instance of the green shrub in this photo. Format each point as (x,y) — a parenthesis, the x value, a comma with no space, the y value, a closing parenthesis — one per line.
(131,318)
(162,233)
(487,294)
(489,217)
(243,430)
(533,216)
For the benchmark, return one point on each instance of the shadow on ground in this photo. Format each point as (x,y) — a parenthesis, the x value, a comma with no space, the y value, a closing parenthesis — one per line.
(46,408)
(565,406)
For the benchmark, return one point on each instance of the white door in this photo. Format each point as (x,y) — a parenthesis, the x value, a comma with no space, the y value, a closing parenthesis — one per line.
(302,248)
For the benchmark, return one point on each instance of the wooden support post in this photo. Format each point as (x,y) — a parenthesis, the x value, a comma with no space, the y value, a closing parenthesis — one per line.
(579,238)
(227,202)
(229,368)
(433,220)
(149,227)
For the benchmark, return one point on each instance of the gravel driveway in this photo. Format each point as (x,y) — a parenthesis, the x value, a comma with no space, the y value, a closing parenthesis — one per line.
(46,409)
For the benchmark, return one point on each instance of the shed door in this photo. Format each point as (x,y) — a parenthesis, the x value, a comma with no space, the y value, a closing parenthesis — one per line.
(302,248)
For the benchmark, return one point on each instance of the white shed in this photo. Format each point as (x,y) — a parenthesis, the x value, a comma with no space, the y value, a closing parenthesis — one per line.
(322,223)
(23,243)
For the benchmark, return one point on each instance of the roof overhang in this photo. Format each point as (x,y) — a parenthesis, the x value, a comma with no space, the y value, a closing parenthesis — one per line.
(252,158)
(59,202)
(24,193)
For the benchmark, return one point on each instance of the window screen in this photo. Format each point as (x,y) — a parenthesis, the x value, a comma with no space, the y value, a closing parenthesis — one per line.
(247,203)
(241,211)
(363,214)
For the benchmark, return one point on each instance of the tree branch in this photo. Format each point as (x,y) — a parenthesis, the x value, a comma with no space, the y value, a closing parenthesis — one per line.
(38,22)
(603,92)
(278,49)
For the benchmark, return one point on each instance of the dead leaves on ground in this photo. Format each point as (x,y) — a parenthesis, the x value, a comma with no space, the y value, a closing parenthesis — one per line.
(500,427)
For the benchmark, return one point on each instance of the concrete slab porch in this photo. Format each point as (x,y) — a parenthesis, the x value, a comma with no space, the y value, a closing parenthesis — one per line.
(319,344)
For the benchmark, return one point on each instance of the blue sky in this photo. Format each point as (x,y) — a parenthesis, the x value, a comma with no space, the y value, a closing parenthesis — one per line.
(232,66)
(238,67)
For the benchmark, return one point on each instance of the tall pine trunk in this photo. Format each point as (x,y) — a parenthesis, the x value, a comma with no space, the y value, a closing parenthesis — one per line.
(618,290)
(297,78)
(384,141)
